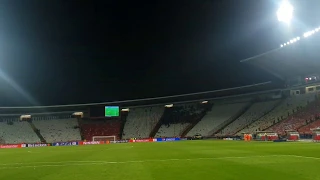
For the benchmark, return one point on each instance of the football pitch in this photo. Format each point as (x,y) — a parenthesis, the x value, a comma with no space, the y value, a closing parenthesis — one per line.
(221,160)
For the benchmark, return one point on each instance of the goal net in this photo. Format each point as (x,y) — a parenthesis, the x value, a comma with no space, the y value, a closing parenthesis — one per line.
(104,138)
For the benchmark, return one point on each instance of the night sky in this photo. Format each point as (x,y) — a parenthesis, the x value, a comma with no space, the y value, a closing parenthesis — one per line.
(63,52)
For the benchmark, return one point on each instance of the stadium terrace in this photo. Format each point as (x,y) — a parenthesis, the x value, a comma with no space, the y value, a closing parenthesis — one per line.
(290,113)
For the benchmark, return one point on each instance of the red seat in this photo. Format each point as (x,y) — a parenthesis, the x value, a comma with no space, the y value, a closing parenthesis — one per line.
(108,128)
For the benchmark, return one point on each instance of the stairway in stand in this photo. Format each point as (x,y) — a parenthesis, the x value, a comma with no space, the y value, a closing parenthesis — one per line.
(124,116)
(79,120)
(196,121)
(270,111)
(158,125)
(37,131)
(230,120)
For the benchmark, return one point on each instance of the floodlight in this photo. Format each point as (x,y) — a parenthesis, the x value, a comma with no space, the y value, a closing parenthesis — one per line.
(281,45)
(25,117)
(298,38)
(291,41)
(169,106)
(285,12)
(285,44)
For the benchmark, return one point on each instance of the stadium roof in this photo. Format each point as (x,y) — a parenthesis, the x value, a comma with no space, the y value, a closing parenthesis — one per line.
(235,92)
(223,94)
(301,58)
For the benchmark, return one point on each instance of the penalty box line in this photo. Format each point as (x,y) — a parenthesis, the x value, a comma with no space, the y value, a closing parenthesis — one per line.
(84,163)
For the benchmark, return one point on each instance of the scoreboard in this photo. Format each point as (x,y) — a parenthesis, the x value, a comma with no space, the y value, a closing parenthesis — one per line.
(111,111)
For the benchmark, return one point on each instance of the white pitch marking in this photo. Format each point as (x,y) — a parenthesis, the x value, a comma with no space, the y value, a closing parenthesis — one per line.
(306,157)
(83,163)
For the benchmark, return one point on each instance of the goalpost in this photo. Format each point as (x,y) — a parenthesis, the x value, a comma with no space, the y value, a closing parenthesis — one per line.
(104,138)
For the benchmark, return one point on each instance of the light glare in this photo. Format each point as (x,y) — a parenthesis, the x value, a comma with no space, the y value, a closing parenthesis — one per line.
(285,12)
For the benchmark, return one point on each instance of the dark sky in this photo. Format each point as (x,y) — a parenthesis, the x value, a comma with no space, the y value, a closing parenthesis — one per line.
(62,52)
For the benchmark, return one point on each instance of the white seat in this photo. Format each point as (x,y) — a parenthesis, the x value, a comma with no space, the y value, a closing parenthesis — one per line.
(58,130)
(141,121)
(18,132)
(215,117)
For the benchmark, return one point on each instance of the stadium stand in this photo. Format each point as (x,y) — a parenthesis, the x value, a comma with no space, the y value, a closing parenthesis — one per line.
(177,118)
(13,131)
(215,117)
(307,129)
(281,112)
(57,128)
(300,118)
(256,111)
(140,121)
(105,127)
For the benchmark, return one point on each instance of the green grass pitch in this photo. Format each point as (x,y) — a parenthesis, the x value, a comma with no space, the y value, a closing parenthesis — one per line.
(214,160)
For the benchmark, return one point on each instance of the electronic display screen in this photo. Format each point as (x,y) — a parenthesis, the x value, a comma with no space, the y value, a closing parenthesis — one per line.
(111,111)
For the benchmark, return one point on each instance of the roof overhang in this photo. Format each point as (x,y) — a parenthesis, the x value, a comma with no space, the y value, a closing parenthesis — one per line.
(298,59)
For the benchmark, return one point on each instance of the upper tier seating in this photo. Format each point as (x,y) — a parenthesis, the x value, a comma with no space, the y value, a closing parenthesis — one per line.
(141,121)
(298,119)
(100,128)
(54,129)
(177,118)
(281,112)
(256,111)
(215,117)
(17,132)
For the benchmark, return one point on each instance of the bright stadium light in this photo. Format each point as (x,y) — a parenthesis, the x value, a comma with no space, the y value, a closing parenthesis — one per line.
(305,35)
(309,33)
(285,12)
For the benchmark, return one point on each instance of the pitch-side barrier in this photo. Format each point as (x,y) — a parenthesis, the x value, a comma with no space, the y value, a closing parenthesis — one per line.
(82,143)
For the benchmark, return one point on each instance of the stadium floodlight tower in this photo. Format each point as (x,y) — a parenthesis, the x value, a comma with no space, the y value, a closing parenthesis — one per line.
(285,12)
